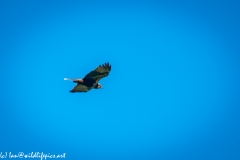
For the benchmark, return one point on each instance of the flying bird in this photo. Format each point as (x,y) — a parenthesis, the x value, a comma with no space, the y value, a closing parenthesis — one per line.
(91,80)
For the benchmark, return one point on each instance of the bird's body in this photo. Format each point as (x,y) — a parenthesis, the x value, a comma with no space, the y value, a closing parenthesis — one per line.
(91,80)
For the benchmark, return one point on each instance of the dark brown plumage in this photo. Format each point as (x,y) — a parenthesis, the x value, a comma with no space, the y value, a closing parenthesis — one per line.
(91,80)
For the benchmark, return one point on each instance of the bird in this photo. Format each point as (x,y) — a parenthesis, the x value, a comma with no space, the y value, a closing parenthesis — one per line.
(91,80)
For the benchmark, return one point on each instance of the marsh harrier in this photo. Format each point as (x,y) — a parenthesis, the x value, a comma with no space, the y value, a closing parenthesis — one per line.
(91,80)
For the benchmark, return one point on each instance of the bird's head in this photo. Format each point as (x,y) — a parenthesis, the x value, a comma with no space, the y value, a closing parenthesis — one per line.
(99,86)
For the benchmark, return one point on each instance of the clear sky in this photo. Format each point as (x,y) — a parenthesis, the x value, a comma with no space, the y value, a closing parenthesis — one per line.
(173,91)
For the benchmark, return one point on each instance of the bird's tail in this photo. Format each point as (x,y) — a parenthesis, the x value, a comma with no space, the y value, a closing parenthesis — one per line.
(68,79)
(74,80)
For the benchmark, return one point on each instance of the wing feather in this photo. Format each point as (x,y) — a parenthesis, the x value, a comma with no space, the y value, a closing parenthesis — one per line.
(80,88)
(99,73)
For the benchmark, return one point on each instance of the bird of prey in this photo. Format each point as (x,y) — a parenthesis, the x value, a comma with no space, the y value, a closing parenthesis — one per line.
(91,80)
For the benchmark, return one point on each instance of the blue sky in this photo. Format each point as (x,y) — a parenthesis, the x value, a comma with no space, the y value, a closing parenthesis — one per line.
(173,92)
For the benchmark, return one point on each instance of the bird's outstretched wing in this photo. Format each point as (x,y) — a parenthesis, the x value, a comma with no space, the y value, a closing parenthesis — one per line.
(80,88)
(99,73)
